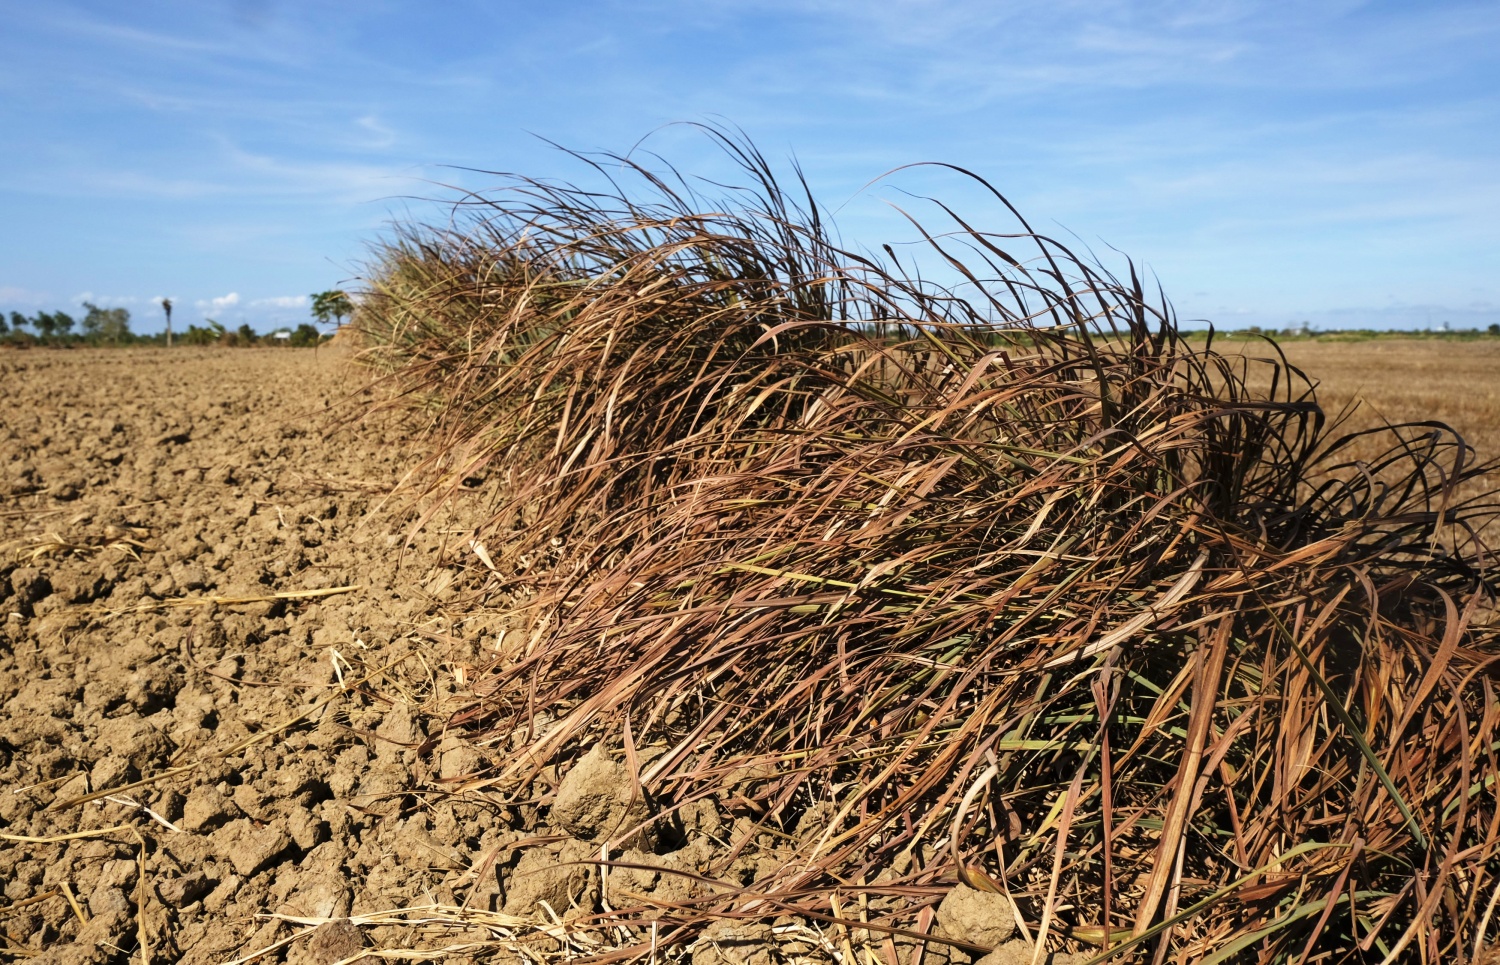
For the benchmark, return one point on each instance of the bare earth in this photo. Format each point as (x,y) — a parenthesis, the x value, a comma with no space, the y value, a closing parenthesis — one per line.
(135,483)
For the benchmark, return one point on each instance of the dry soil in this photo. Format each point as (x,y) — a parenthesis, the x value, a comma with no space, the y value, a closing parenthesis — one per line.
(142,491)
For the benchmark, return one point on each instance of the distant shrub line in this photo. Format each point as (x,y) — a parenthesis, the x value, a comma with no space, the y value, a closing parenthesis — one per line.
(110,327)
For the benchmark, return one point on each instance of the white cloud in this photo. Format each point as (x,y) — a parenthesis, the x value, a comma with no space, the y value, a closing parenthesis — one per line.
(216,305)
(336,181)
(280,301)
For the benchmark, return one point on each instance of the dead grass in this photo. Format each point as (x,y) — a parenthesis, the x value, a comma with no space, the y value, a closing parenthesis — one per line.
(1005,582)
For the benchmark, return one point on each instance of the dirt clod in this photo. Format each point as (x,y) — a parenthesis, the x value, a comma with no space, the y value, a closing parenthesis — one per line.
(980,917)
(206,808)
(733,942)
(597,799)
(565,879)
(27,585)
(335,941)
(182,891)
(1015,952)
(250,849)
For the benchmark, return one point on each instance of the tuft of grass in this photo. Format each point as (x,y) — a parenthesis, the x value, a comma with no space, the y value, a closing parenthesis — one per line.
(1006,580)
(572,339)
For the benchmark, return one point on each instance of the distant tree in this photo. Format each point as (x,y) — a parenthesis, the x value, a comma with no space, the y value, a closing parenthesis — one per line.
(1495,329)
(63,323)
(332,306)
(45,325)
(305,335)
(3,327)
(166,306)
(208,334)
(17,321)
(111,324)
(245,334)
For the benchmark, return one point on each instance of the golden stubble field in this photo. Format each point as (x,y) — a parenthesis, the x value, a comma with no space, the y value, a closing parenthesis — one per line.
(1408,380)
(1372,382)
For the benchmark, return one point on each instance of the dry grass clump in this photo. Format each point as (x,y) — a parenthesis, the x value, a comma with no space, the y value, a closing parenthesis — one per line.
(1000,581)
(577,340)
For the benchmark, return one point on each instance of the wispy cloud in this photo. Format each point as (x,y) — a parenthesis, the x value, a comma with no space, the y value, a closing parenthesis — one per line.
(280,301)
(107,301)
(343,181)
(381,135)
(16,295)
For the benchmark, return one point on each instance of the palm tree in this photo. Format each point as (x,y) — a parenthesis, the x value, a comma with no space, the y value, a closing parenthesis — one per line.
(166,306)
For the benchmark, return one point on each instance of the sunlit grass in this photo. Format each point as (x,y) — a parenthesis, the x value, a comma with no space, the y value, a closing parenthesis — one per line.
(1014,582)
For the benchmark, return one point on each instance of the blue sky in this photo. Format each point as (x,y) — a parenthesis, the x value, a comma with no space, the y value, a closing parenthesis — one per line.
(1270,162)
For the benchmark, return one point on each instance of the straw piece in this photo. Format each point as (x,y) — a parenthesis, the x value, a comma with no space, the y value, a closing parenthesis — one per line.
(148,605)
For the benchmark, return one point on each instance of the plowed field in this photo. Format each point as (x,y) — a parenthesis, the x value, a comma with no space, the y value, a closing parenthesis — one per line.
(252,764)
(226,668)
